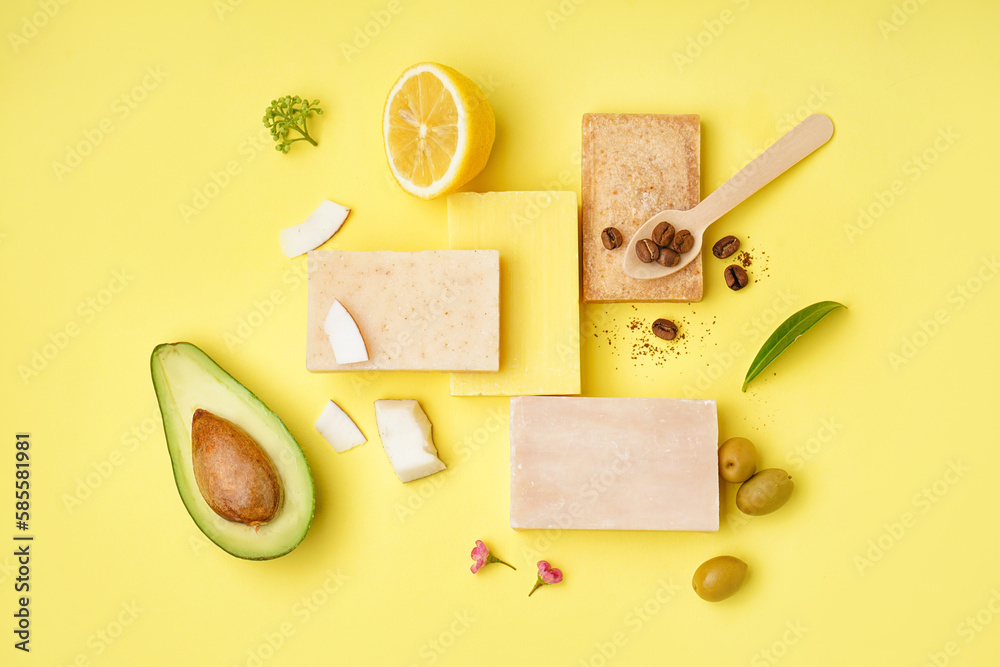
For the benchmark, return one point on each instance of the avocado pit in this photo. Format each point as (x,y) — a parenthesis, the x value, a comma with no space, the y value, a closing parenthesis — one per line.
(234,474)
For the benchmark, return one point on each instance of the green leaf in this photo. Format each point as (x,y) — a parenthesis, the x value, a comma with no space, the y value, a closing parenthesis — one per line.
(788,333)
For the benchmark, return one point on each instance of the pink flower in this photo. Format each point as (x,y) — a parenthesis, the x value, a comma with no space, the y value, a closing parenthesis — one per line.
(546,575)
(481,554)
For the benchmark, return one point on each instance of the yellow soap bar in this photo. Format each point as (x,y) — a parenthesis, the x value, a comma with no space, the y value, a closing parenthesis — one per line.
(537,235)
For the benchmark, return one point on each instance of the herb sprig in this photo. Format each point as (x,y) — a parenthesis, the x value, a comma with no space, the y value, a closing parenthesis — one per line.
(290,113)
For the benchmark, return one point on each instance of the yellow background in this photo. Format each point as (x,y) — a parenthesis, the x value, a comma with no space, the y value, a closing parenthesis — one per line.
(882,555)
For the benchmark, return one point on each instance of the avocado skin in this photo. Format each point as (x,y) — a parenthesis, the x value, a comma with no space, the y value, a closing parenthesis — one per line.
(177,437)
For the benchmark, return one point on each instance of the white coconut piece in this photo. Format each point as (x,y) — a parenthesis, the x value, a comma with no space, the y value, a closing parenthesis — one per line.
(406,437)
(317,229)
(345,337)
(339,429)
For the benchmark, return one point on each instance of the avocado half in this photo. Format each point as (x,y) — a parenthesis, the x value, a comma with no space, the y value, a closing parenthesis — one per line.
(185,379)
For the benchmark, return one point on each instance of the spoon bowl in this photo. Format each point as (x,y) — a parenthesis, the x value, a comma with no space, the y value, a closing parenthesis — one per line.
(680,220)
(799,142)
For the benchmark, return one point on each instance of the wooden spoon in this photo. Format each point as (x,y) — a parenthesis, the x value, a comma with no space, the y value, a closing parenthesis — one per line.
(802,140)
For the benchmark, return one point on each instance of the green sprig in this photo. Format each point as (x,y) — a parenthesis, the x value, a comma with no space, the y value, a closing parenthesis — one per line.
(289,113)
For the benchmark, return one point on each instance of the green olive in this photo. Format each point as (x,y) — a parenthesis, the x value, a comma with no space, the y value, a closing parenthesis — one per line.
(718,578)
(764,492)
(737,460)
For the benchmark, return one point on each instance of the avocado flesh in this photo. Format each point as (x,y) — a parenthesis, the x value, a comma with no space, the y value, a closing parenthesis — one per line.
(185,379)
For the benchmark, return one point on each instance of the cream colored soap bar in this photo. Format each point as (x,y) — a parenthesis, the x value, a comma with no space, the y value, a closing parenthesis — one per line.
(436,310)
(537,234)
(614,463)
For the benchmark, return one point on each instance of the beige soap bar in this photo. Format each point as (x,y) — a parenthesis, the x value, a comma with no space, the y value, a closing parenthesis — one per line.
(436,310)
(634,166)
(614,463)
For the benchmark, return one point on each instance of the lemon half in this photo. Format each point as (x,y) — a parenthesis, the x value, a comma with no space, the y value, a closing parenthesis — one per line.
(438,130)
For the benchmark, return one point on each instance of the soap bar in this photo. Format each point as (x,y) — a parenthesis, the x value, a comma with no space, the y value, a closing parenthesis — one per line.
(537,234)
(634,166)
(614,463)
(436,310)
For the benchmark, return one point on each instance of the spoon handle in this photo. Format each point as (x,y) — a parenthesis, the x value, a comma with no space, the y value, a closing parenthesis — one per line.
(802,140)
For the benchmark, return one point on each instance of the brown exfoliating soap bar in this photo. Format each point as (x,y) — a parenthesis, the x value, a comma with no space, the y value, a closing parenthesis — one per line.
(634,166)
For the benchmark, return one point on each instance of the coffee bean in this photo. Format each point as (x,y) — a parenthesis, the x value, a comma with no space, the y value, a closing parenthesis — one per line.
(683,241)
(668,257)
(611,238)
(726,246)
(663,234)
(736,277)
(647,251)
(665,329)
